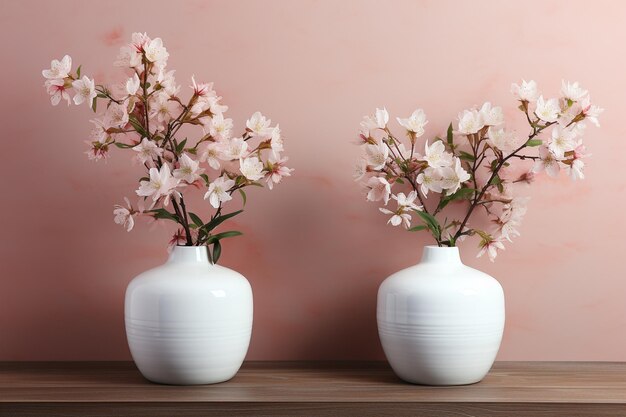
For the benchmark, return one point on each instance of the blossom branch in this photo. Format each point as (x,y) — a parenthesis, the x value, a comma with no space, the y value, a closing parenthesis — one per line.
(152,108)
(451,170)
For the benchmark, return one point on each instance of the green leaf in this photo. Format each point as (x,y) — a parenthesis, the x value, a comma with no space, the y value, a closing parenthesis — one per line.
(223,235)
(243,196)
(497,181)
(94,104)
(219,220)
(180,146)
(450,135)
(217,251)
(205,177)
(100,95)
(164,214)
(431,222)
(78,71)
(240,180)
(417,228)
(197,220)
(466,156)
(461,194)
(208,251)
(534,142)
(137,126)
(123,145)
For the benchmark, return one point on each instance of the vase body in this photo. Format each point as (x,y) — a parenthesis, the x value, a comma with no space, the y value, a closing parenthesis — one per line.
(440,322)
(187,321)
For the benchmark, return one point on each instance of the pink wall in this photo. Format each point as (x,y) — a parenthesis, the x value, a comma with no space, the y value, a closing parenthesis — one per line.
(314,251)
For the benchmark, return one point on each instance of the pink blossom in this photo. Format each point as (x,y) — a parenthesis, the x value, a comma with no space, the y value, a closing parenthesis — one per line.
(211,155)
(58,69)
(116,115)
(160,184)
(576,164)
(401,215)
(188,169)
(527,91)
(139,41)
(379,189)
(220,128)
(276,170)
(201,89)
(478,169)
(99,149)
(85,90)
(58,89)
(163,109)
(591,111)
(178,239)
(147,151)
(155,52)
(259,125)
(132,85)
(231,149)
(166,82)
(376,156)
(490,246)
(251,168)
(123,215)
(129,57)
(219,191)
(548,162)
(276,141)
(360,169)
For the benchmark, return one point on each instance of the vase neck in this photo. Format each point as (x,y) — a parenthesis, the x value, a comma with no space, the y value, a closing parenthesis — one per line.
(190,254)
(444,254)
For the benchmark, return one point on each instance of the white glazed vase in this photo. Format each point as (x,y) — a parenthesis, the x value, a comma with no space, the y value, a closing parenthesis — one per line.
(188,322)
(440,322)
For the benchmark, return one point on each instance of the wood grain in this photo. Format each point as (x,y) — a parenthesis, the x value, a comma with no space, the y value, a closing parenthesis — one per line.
(313,389)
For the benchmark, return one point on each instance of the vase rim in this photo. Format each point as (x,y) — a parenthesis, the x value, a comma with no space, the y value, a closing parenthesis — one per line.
(183,253)
(441,254)
(441,247)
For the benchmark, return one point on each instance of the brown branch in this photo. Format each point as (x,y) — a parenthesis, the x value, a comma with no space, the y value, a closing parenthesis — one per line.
(494,174)
(183,220)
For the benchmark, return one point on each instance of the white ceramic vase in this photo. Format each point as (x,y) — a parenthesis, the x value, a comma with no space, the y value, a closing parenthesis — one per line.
(187,321)
(440,322)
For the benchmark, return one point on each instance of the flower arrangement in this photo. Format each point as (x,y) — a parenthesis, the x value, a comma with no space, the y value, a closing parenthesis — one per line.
(473,164)
(144,116)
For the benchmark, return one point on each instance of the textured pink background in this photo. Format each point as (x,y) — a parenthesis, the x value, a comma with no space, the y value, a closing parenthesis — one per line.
(314,251)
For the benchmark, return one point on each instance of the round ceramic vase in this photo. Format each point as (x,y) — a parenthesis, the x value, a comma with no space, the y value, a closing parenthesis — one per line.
(440,322)
(188,322)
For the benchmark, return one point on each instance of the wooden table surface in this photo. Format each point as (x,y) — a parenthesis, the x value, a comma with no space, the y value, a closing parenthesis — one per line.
(312,389)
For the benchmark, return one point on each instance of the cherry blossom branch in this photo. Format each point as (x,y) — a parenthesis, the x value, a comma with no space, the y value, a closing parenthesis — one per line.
(144,87)
(406,175)
(183,220)
(524,157)
(454,175)
(494,173)
(102,90)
